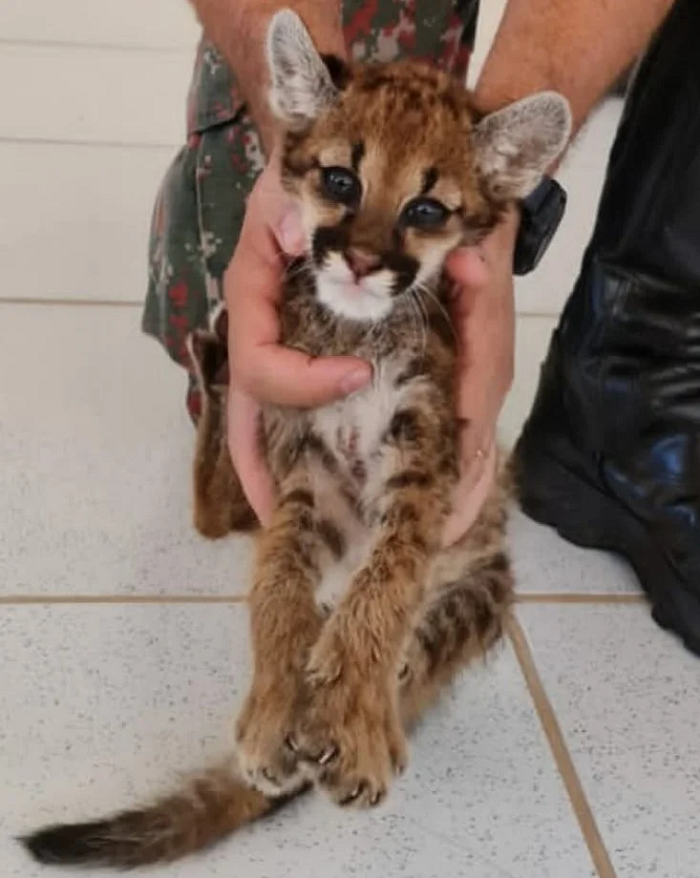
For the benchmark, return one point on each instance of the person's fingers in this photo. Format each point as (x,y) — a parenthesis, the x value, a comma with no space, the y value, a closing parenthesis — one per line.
(280,375)
(246,456)
(290,233)
(469,496)
(490,261)
(484,315)
(485,323)
(475,444)
(485,370)
(467,268)
(263,367)
(286,377)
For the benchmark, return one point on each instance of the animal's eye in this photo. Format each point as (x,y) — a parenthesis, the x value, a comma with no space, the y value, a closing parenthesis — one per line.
(341,185)
(424,213)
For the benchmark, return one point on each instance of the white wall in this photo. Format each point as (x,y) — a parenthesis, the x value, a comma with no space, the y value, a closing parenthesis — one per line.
(93,96)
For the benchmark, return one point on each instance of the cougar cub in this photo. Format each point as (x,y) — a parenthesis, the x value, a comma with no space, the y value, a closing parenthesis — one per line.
(392,168)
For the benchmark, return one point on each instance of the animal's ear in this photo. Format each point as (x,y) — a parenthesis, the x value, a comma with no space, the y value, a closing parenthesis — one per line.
(302,82)
(515,145)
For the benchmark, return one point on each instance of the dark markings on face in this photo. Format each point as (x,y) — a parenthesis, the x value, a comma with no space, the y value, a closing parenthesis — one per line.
(430,178)
(358,153)
(327,239)
(434,110)
(405,268)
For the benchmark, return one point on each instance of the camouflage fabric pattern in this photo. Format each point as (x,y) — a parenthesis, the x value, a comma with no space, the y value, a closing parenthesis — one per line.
(201,203)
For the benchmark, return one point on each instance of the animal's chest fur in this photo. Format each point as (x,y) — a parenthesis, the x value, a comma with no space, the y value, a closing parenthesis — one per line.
(353,428)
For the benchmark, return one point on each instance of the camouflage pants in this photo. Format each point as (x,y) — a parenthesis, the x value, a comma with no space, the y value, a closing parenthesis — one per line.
(201,203)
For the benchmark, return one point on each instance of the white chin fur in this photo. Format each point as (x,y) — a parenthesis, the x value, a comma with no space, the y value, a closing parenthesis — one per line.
(370,300)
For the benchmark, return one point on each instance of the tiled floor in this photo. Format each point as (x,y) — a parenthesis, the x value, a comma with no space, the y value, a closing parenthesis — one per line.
(123,647)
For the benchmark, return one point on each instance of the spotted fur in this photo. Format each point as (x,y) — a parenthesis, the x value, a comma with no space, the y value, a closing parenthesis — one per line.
(359,616)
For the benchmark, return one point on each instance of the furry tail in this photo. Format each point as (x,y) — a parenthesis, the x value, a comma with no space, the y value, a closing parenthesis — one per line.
(210,807)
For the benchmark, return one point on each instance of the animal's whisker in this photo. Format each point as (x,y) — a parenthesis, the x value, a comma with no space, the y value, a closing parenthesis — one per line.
(424,289)
(297,268)
(417,309)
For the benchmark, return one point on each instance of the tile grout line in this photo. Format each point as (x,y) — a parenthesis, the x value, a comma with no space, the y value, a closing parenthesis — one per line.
(560,752)
(137,303)
(88,45)
(24,600)
(72,303)
(578,598)
(90,143)
(533,598)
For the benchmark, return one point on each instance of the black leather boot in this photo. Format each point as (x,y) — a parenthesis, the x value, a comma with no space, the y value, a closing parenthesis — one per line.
(610,455)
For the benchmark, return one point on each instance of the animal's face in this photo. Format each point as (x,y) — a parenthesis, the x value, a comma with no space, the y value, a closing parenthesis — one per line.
(385,180)
(392,171)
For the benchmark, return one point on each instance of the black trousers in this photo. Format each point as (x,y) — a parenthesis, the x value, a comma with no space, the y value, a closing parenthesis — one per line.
(610,454)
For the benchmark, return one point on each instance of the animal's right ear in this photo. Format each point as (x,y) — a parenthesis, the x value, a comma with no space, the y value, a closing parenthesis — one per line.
(515,146)
(304,84)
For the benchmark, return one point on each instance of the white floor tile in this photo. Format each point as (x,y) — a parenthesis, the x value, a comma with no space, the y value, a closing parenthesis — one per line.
(544,563)
(96,449)
(481,798)
(80,219)
(96,203)
(112,96)
(87,210)
(155,24)
(97,486)
(100,704)
(627,695)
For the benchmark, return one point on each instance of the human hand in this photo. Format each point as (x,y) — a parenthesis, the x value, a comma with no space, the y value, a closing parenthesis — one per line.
(484,314)
(261,369)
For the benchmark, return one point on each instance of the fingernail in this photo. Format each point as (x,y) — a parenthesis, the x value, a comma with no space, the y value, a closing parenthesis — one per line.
(291,238)
(354,381)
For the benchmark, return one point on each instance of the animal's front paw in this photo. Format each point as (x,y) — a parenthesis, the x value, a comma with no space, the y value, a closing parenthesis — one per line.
(350,734)
(265,752)
(328,657)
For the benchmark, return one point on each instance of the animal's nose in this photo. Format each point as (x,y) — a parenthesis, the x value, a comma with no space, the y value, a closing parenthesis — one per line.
(361,262)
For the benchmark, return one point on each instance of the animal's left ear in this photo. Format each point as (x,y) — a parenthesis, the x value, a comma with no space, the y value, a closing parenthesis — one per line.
(302,83)
(515,146)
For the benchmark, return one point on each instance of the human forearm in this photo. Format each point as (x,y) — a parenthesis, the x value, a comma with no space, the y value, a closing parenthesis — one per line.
(576,47)
(238,29)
